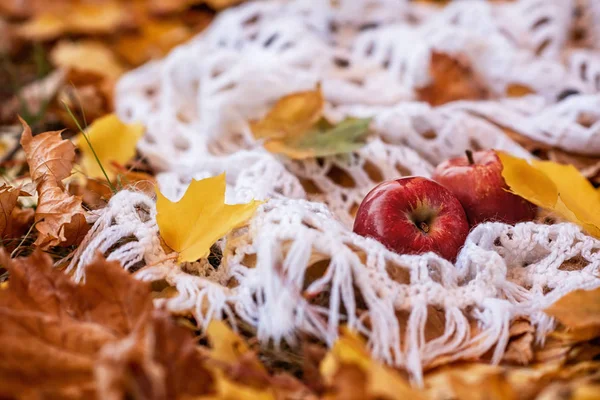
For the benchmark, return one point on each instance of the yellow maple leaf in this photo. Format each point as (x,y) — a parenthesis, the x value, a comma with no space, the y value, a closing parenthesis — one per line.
(112,140)
(381,381)
(194,223)
(556,187)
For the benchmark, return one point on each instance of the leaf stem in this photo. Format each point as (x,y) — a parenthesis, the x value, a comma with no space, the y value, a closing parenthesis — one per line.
(112,188)
(470,157)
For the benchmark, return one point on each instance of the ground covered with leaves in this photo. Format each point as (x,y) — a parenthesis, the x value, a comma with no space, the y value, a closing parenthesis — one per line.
(63,153)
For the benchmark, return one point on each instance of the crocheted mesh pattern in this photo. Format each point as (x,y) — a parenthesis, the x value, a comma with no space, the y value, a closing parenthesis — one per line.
(297,266)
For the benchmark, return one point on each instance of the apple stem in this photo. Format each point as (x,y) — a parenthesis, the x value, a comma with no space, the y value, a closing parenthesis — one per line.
(424,227)
(470,157)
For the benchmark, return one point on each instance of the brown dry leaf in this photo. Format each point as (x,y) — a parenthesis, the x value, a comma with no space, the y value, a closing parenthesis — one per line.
(158,361)
(579,309)
(8,202)
(60,219)
(348,368)
(97,340)
(520,346)
(52,329)
(452,79)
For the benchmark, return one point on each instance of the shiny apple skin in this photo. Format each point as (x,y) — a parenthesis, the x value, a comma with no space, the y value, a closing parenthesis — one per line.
(482,191)
(393,211)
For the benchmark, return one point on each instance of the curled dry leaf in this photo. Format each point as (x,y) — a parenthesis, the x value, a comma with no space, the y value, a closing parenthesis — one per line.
(451,79)
(559,188)
(60,219)
(350,371)
(8,201)
(113,142)
(191,225)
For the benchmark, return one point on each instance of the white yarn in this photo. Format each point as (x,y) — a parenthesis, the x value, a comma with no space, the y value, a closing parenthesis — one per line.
(297,267)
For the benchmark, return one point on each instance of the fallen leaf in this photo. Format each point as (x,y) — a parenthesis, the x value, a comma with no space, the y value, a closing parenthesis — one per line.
(345,137)
(518,90)
(296,128)
(239,373)
(87,56)
(579,309)
(155,40)
(159,360)
(469,382)
(451,79)
(52,329)
(520,346)
(492,387)
(291,116)
(226,345)
(191,225)
(221,4)
(8,202)
(75,18)
(112,141)
(348,363)
(97,340)
(60,219)
(556,187)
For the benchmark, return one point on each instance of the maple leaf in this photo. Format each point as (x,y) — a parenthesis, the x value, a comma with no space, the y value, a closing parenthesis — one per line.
(60,219)
(352,373)
(296,128)
(51,329)
(559,188)
(451,79)
(59,339)
(194,223)
(112,141)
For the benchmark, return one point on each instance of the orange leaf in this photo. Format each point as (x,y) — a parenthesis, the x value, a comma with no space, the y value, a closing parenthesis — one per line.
(60,219)
(452,79)
(578,310)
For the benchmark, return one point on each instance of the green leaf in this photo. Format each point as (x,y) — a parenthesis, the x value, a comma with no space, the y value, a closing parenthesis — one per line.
(323,139)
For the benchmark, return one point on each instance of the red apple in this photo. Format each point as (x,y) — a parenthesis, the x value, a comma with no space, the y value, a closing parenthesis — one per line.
(413,215)
(476,180)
